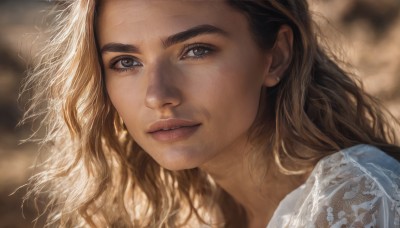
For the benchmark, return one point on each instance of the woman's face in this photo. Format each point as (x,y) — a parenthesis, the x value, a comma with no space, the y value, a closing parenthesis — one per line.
(185,76)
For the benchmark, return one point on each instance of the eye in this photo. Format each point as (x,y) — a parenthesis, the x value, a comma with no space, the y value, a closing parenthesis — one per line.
(197,51)
(124,63)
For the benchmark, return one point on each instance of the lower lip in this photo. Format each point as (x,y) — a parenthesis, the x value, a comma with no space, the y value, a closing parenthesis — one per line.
(175,134)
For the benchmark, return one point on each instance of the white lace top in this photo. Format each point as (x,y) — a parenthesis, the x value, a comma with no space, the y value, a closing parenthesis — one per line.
(356,187)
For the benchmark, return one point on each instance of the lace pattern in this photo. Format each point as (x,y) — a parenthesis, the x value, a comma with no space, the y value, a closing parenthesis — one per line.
(356,187)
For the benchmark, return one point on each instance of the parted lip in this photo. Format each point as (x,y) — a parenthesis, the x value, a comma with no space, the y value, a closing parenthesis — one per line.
(170,124)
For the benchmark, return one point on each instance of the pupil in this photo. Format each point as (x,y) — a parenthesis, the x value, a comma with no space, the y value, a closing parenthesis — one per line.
(126,62)
(198,51)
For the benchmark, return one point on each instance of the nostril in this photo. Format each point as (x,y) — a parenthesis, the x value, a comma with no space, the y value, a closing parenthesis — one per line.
(163,87)
(162,96)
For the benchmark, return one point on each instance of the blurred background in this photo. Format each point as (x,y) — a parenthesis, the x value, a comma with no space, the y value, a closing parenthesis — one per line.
(365,33)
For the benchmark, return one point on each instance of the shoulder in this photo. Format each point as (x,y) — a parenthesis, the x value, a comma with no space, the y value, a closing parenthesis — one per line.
(355,187)
(361,164)
(358,160)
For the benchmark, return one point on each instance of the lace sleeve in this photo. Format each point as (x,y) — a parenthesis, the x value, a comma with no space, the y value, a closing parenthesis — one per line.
(358,202)
(348,191)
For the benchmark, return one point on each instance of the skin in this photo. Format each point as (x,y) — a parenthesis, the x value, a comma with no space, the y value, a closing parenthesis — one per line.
(216,85)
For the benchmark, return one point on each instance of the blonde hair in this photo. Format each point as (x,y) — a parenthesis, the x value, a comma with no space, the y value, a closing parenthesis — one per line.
(96,175)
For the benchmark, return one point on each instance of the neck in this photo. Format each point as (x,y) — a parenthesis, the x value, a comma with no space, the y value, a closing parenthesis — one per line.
(255,184)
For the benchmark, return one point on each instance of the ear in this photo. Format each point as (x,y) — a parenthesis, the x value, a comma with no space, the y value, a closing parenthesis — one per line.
(279,56)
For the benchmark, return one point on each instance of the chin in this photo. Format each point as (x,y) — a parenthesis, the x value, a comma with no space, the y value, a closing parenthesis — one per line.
(176,161)
(177,157)
(178,165)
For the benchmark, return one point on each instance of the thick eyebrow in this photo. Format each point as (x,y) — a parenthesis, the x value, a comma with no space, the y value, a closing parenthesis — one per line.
(169,41)
(193,32)
(118,47)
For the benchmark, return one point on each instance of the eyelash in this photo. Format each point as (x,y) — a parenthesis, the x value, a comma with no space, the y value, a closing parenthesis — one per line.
(124,69)
(191,47)
(209,49)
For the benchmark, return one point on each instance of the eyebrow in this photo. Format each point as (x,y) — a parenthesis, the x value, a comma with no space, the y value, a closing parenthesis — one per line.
(193,32)
(118,47)
(169,41)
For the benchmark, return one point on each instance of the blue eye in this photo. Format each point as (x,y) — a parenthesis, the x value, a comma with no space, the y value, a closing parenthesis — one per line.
(125,63)
(197,51)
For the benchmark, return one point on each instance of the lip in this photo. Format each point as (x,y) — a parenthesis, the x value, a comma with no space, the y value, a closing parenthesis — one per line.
(168,130)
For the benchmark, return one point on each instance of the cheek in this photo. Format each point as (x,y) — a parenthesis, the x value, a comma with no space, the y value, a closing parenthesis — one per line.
(230,91)
(242,80)
(124,95)
(116,90)
(244,87)
(242,93)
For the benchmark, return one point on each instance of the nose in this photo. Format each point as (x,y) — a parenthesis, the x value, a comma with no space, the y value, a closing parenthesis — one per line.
(162,89)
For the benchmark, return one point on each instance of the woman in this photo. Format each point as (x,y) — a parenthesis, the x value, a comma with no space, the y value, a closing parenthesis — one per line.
(199,113)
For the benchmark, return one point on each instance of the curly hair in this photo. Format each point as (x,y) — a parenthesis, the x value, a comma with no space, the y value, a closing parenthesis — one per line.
(97,176)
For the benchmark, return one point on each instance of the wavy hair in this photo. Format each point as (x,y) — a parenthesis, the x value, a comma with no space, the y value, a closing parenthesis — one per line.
(97,176)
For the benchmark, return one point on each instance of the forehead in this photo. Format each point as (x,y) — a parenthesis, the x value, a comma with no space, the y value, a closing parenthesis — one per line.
(147,18)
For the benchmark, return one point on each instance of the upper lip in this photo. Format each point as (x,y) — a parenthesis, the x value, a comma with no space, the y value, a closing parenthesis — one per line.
(170,124)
